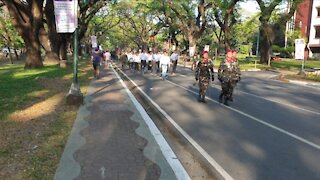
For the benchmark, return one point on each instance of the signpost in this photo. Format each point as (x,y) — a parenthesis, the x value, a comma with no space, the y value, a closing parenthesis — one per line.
(94,41)
(299,52)
(66,14)
(207,48)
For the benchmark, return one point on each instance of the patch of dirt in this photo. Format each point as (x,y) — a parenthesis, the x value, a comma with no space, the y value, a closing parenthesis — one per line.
(54,84)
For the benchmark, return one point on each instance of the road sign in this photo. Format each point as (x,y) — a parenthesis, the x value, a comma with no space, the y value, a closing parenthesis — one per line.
(192,50)
(299,49)
(66,15)
(94,41)
(207,48)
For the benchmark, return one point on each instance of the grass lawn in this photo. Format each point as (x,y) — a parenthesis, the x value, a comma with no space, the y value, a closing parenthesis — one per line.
(34,120)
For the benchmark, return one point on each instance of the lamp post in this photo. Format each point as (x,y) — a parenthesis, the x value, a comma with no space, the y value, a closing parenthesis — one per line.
(74,96)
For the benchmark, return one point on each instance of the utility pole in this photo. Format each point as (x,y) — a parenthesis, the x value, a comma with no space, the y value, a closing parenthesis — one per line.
(258,42)
(74,96)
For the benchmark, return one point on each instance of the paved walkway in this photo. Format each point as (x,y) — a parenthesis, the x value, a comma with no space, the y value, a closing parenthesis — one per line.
(111,140)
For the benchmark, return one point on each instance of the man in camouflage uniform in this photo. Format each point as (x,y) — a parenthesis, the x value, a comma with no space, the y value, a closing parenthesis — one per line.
(204,70)
(229,75)
(123,59)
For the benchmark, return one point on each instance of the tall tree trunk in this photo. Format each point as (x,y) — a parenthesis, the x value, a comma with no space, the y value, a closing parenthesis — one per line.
(227,38)
(52,37)
(192,40)
(63,49)
(33,58)
(267,38)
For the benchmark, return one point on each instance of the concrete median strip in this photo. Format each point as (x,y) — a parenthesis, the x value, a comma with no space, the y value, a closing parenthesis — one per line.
(169,155)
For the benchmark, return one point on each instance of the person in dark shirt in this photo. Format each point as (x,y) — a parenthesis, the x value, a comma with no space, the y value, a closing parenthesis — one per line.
(96,59)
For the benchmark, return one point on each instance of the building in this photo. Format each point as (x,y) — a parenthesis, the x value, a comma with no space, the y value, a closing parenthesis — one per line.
(307,19)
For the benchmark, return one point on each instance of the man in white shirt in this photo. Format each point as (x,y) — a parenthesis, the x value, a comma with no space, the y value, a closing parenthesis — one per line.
(149,61)
(136,60)
(164,64)
(155,62)
(174,59)
(143,58)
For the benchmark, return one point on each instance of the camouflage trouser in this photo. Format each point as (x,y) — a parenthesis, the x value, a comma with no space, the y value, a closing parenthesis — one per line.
(203,85)
(227,88)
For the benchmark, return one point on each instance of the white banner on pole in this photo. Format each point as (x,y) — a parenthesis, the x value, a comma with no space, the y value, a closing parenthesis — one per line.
(66,15)
(299,49)
(207,48)
(94,41)
(192,50)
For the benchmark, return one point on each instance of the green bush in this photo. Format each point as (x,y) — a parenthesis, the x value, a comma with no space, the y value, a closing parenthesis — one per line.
(244,49)
(284,52)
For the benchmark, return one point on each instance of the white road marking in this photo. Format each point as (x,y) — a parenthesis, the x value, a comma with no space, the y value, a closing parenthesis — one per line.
(256,119)
(103,169)
(275,101)
(166,150)
(182,75)
(213,163)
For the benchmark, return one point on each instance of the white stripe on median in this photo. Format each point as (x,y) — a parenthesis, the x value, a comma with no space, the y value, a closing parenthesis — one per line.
(166,150)
(213,163)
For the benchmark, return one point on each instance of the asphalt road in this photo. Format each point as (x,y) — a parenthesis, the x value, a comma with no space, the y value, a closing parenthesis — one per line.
(270,131)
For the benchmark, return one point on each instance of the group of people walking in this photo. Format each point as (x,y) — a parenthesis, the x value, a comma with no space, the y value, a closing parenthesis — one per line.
(228,74)
(161,62)
(156,62)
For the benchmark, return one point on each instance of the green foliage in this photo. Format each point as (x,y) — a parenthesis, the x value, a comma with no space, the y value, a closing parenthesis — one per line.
(284,52)
(9,35)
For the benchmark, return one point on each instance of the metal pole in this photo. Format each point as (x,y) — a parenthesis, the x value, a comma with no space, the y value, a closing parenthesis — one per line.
(74,96)
(75,56)
(258,42)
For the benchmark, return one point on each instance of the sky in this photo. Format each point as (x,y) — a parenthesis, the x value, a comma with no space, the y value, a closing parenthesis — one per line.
(249,8)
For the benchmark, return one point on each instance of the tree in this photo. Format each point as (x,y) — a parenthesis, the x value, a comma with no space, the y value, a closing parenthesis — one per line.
(27,18)
(225,14)
(9,35)
(136,23)
(186,15)
(268,27)
(245,34)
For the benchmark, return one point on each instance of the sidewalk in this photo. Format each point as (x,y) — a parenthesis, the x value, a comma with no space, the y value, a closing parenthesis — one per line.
(111,140)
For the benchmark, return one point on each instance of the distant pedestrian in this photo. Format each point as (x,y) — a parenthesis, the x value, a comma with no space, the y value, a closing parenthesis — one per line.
(149,61)
(136,60)
(107,58)
(164,64)
(204,70)
(229,75)
(174,60)
(96,59)
(143,58)
(123,59)
(155,62)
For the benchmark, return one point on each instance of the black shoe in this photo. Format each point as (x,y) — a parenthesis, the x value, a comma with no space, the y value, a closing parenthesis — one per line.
(203,99)
(231,98)
(199,98)
(226,102)
(220,98)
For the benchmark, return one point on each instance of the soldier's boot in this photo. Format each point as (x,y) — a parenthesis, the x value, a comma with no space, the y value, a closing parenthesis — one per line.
(203,99)
(231,97)
(226,101)
(199,98)
(220,97)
